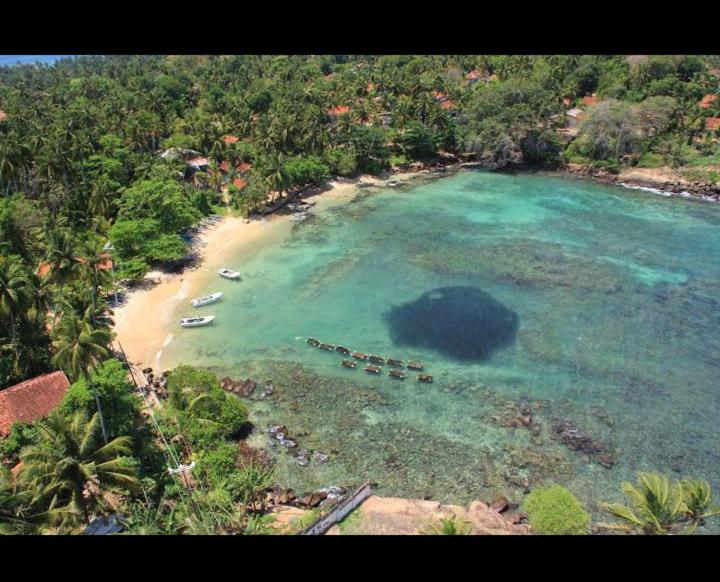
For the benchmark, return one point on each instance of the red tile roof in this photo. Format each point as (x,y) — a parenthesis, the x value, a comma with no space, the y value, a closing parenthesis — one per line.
(230,139)
(239,183)
(339,110)
(590,100)
(473,75)
(224,166)
(371,86)
(447,104)
(32,399)
(567,101)
(440,96)
(243,167)
(712,123)
(3,115)
(707,101)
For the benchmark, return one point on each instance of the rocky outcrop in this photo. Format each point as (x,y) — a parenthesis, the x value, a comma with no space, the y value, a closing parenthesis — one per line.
(396,516)
(577,440)
(663,179)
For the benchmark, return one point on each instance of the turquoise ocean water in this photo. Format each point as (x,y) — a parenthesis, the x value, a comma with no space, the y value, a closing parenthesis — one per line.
(568,299)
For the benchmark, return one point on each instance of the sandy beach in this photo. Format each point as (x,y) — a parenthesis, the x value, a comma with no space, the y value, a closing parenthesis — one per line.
(143,324)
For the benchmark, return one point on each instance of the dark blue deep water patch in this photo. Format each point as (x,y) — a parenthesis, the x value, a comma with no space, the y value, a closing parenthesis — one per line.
(463,323)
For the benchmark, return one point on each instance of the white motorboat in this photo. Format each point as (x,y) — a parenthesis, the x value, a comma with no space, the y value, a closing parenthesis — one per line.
(200,301)
(228,273)
(196,321)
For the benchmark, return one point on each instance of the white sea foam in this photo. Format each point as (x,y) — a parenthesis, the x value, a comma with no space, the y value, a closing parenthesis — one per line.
(167,341)
(648,189)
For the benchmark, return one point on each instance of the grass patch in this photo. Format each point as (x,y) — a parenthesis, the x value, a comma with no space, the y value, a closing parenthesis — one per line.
(554,510)
(351,524)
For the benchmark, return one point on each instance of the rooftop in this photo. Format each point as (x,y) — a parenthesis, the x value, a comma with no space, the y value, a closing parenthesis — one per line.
(339,110)
(473,75)
(590,99)
(3,115)
(707,101)
(230,139)
(31,400)
(105,265)
(239,183)
(575,112)
(712,123)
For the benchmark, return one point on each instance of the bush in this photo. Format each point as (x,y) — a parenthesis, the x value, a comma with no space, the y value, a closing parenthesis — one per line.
(554,510)
(121,408)
(21,435)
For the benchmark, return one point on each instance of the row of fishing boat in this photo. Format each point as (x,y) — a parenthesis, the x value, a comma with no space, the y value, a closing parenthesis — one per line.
(372,367)
(207,300)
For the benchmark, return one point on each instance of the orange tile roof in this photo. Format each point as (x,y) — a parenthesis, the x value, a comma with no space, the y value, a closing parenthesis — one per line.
(239,183)
(473,75)
(370,86)
(707,101)
(106,265)
(567,101)
(230,139)
(32,399)
(440,96)
(712,123)
(447,105)
(3,115)
(243,167)
(590,100)
(224,166)
(339,110)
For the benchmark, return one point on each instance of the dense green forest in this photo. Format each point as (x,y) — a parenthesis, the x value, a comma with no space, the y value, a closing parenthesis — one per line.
(81,167)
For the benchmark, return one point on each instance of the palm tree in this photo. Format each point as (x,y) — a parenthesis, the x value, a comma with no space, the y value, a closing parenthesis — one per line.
(14,283)
(60,255)
(92,255)
(656,506)
(698,498)
(69,468)
(448,526)
(277,175)
(79,345)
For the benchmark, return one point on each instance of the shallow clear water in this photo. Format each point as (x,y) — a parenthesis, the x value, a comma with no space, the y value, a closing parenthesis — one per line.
(582,301)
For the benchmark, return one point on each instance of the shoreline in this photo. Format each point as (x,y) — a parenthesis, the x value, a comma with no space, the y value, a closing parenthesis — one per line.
(142,322)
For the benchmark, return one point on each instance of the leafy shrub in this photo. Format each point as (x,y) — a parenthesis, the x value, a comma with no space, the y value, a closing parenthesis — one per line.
(554,510)
(651,160)
(21,435)
(120,406)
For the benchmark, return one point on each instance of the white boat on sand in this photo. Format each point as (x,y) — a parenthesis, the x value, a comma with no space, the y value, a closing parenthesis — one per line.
(200,301)
(196,321)
(228,273)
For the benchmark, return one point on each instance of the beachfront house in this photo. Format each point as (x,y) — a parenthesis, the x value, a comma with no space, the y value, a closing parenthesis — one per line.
(574,116)
(31,400)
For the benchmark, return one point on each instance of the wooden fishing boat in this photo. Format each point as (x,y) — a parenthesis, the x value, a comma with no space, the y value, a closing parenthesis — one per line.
(342,350)
(425,378)
(359,355)
(196,321)
(313,342)
(376,359)
(348,363)
(415,365)
(373,369)
(397,374)
(200,301)
(228,273)
(328,347)
(394,362)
